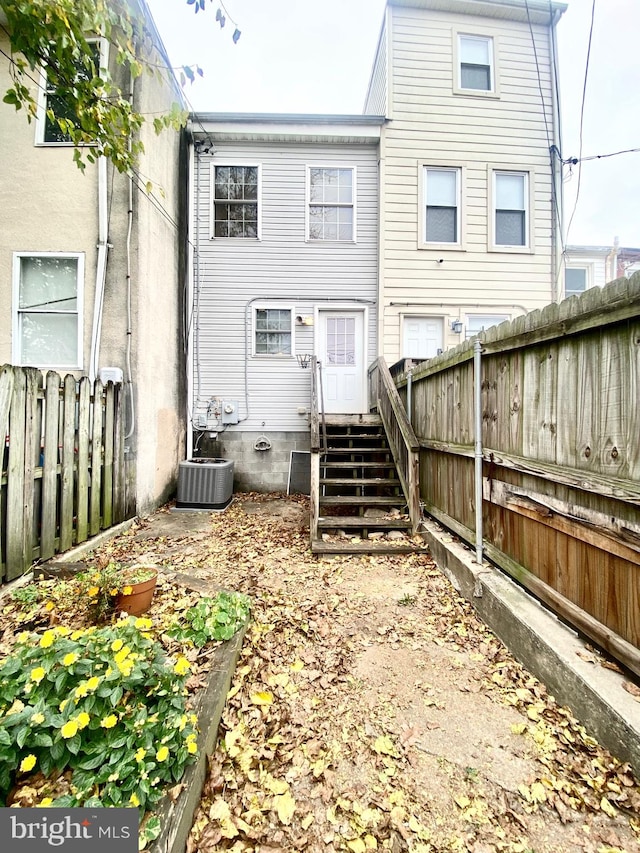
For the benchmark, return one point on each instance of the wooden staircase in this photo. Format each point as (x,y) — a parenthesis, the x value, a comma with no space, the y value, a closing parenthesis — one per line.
(361,504)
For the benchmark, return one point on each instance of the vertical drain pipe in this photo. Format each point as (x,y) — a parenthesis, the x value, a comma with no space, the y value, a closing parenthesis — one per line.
(477,411)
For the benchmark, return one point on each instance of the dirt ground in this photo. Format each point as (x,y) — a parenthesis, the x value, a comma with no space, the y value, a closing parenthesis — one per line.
(371,709)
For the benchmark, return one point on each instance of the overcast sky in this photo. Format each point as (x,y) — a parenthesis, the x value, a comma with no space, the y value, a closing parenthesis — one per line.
(314,56)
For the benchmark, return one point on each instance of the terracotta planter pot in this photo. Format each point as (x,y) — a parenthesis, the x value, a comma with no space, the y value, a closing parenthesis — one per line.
(139,599)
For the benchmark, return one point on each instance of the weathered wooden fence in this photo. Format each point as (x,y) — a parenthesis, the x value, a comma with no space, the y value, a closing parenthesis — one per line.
(560,434)
(62,473)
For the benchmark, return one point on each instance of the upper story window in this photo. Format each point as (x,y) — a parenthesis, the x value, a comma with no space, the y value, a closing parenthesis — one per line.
(511,208)
(475,71)
(235,200)
(273,331)
(575,280)
(331,194)
(441,193)
(55,106)
(47,313)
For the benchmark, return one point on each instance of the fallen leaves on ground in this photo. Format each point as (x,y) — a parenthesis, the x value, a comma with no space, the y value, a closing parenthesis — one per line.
(371,710)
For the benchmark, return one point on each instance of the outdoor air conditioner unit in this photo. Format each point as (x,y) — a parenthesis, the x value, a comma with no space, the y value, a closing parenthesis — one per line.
(205,484)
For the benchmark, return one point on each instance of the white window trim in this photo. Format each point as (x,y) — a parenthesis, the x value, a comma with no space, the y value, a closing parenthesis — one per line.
(460,245)
(42,97)
(588,279)
(15,320)
(530,180)
(494,92)
(273,306)
(353,205)
(212,192)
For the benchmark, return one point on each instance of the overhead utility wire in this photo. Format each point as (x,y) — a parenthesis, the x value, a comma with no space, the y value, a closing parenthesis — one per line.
(584,97)
(573,161)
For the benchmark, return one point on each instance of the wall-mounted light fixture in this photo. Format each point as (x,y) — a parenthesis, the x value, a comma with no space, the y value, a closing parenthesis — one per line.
(304,321)
(456,326)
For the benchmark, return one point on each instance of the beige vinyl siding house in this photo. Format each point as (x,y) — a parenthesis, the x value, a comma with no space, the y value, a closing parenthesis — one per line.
(468,219)
(284,220)
(121,302)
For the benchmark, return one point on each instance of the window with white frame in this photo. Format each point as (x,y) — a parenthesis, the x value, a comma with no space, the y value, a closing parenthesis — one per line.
(47,317)
(510,202)
(55,107)
(331,196)
(476,63)
(273,331)
(575,280)
(441,192)
(479,322)
(235,201)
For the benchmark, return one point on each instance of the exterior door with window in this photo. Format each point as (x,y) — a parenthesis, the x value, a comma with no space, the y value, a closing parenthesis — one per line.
(340,349)
(422,337)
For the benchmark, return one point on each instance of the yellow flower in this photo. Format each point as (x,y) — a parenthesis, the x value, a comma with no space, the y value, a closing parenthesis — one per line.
(140,753)
(61,631)
(47,639)
(181,666)
(63,705)
(127,590)
(93,682)
(192,747)
(109,722)
(77,634)
(113,591)
(162,754)
(37,674)
(70,658)
(69,729)
(44,803)
(133,799)
(122,654)
(125,667)
(116,645)
(16,707)
(142,623)
(83,719)
(36,719)
(23,636)
(49,606)
(27,763)
(93,591)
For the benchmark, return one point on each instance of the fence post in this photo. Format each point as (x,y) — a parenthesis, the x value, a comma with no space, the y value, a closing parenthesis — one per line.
(477,410)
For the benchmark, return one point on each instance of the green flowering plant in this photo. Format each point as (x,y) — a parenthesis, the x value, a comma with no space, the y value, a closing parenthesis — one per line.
(105,703)
(100,587)
(212,619)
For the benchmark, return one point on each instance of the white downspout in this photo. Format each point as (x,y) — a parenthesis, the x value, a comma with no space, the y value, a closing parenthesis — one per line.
(191,284)
(101,268)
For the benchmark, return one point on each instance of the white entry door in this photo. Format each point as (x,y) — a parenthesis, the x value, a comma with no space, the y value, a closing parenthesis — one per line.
(422,337)
(340,349)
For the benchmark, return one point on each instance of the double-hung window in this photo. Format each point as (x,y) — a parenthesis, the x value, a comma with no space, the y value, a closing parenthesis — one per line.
(273,331)
(575,280)
(442,202)
(235,201)
(47,316)
(331,194)
(56,103)
(510,209)
(474,71)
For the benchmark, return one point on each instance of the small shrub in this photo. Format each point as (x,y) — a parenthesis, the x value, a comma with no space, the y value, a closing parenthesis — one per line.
(212,619)
(105,703)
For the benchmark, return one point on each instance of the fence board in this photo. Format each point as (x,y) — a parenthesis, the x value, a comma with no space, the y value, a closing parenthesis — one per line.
(96,460)
(15,478)
(68,464)
(33,430)
(84,419)
(6,393)
(50,467)
(107,468)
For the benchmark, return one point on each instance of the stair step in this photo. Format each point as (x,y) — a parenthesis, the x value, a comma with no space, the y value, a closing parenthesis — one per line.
(352,436)
(350,464)
(360,481)
(340,522)
(361,500)
(366,546)
(351,420)
(363,450)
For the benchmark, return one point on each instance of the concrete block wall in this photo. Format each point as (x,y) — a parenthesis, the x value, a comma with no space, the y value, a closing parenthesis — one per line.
(256,470)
